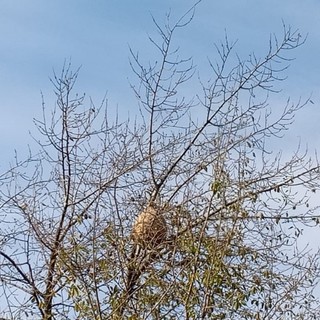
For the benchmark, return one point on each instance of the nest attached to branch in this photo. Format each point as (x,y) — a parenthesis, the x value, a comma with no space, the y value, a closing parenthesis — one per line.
(150,229)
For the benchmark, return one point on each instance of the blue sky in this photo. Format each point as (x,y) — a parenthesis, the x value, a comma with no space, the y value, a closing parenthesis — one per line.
(36,37)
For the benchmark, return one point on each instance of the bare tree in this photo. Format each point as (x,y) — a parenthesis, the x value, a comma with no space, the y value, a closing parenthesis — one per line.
(218,215)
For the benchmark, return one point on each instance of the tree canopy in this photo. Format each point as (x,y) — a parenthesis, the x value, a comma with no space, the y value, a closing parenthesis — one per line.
(180,212)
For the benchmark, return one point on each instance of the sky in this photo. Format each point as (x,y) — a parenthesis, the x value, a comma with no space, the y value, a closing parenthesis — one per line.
(37,36)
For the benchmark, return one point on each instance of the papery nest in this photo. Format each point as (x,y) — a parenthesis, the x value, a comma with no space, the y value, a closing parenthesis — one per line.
(150,228)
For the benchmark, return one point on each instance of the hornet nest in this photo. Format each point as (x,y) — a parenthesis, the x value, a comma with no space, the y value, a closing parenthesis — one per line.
(150,229)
